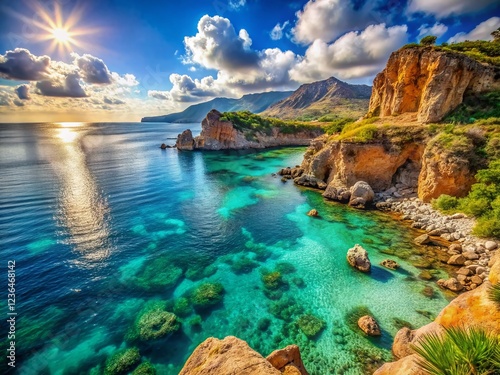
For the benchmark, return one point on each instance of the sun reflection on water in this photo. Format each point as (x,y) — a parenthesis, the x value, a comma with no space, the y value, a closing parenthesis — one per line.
(83,212)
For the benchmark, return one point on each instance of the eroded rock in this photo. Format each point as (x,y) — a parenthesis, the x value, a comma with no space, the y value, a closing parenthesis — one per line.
(358,258)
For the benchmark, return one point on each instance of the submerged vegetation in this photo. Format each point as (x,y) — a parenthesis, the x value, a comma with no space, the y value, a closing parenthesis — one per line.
(122,362)
(459,351)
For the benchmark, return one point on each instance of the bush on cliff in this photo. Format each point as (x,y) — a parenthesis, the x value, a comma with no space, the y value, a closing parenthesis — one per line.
(459,351)
(476,107)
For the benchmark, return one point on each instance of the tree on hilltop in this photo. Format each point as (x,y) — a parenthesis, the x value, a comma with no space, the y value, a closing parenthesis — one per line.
(496,35)
(428,40)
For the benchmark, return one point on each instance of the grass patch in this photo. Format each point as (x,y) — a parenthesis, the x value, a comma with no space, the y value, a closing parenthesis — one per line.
(494,294)
(484,106)
(459,351)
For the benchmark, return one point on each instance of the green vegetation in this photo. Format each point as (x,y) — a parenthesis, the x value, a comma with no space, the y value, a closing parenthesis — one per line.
(155,324)
(182,307)
(475,107)
(353,315)
(459,351)
(483,201)
(310,325)
(337,125)
(207,294)
(428,40)
(145,368)
(122,362)
(494,293)
(480,50)
(157,275)
(249,123)
(272,280)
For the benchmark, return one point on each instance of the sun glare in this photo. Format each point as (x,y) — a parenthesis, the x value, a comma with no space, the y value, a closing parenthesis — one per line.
(61,35)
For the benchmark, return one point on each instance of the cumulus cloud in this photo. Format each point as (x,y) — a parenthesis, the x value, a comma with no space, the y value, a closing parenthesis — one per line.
(217,46)
(438,29)
(327,19)
(445,8)
(93,69)
(354,55)
(20,64)
(113,101)
(480,32)
(277,31)
(66,86)
(23,92)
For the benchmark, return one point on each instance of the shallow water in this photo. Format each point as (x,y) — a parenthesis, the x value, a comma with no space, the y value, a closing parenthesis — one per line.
(102,223)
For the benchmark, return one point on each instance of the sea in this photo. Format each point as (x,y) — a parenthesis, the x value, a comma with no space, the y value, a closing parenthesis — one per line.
(100,227)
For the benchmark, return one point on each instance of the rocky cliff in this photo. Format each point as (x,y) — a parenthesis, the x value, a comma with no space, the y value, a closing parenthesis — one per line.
(233,356)
(470,309)
(217,134)
(428,82)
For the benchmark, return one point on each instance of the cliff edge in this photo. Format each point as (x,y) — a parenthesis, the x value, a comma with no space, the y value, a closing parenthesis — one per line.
(429,82)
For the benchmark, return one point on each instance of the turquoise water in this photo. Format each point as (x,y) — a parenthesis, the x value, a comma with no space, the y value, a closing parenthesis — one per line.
(106,227)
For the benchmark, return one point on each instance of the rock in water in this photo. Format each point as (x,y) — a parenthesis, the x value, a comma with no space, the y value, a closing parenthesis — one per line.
(185,141)
(361,194)
(452,284)
(358,258)
(226,357)
(422,240)
(369,326)
(313,213)
(389,263)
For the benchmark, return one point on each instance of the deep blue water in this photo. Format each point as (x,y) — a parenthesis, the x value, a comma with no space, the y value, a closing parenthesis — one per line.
(98,219)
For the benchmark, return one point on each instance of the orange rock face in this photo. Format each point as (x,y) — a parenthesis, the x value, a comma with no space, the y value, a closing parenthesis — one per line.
(428,82)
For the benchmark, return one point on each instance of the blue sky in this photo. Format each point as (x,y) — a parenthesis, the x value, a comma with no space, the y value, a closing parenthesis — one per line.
(122,59)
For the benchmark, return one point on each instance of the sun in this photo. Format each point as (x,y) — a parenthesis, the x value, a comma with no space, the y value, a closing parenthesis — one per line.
(61,35)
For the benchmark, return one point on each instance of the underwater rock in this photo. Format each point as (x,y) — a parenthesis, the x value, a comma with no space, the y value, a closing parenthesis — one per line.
(313,213)
(145,368)
(157,275)
(122,362)
(289,356)
(389,263)
(155,324)
(273,280)
(207,294)
(226,357)
(310,325)
(358,258)
(369,326)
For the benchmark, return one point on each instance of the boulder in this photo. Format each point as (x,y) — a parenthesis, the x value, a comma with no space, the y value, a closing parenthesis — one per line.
(313,213)
(310,181)
(389,263)
(358,258)
(422,240)
(405,366)
(361,194)
(470,255)
(288,357)
(185,141)
(456,260)
(490,245)
(369,325)
(337,193)
(227,357)
(452,284)
(455,247)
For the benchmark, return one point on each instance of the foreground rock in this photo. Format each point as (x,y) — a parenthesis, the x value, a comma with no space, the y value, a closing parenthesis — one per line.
(369,326)
(358,258)
(233,356)
(361,194)
(185,141)
(470,309)
(223,135)
(428,82)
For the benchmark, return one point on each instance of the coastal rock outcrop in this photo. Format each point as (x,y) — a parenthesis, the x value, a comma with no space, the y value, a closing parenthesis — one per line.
(428,82)
(361,194)
(358,258)
(219,134)
(233,356)
(185,141)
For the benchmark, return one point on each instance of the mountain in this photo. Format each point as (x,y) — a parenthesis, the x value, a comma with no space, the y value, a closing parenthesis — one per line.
(196,113)
(316,99)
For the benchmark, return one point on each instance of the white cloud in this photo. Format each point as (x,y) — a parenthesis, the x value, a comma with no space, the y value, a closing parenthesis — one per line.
(92,69)
(354,55)
(237,4)
(277,31)
(327,19)
(21,64)
(480,32)
(438,29)
(445,8)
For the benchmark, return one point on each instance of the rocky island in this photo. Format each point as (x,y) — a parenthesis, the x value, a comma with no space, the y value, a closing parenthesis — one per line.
(402,158)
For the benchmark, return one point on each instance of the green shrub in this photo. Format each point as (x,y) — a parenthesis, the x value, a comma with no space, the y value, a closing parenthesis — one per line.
(122,362)
(338,125)
(459,351)
(428,40)
(445,203)
(494,294)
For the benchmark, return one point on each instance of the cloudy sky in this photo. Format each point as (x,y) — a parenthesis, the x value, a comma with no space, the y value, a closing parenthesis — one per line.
(120,60)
